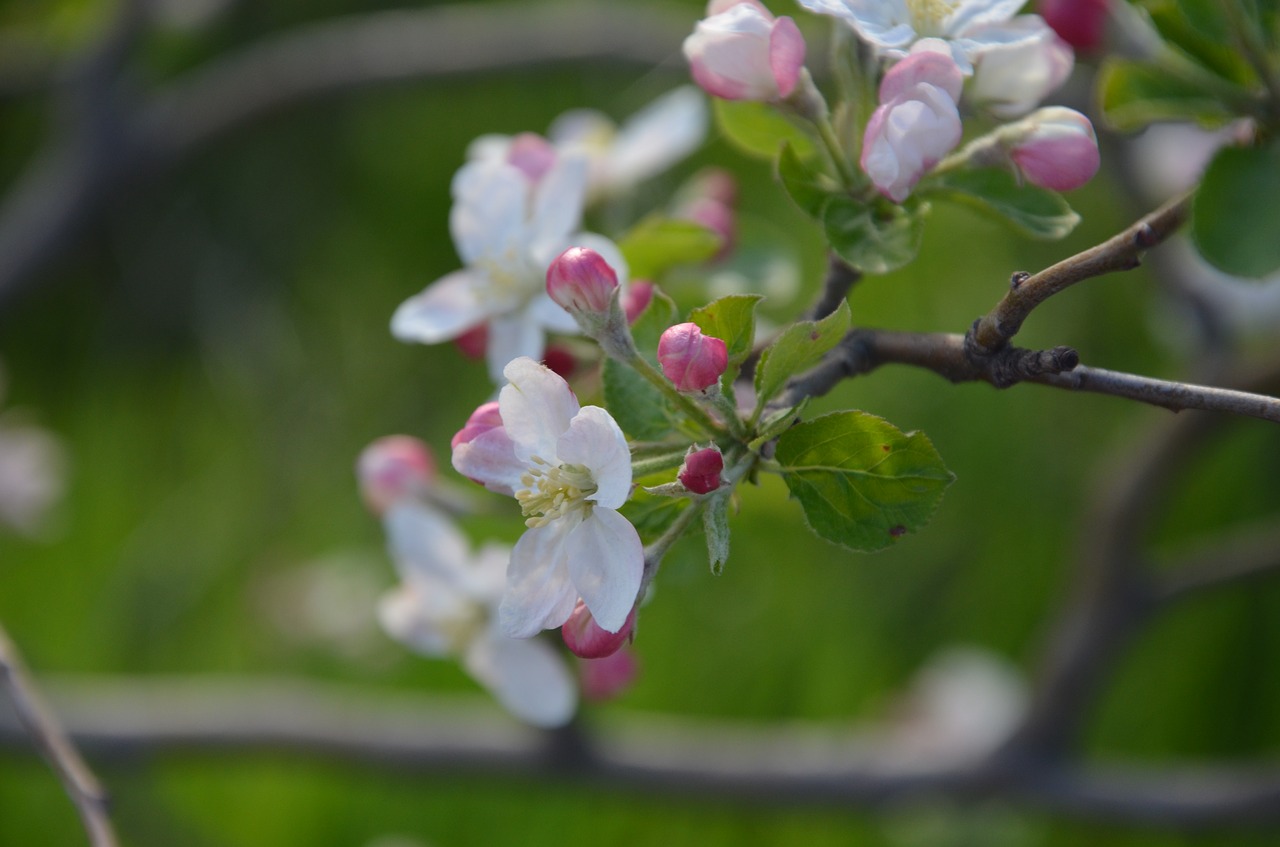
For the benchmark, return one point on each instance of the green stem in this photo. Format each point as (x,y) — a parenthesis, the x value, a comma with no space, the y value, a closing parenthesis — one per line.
(645,465)
(654,553)
(686,404)
(830,143)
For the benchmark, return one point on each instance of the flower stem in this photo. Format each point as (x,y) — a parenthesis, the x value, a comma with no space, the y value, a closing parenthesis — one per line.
(686,404)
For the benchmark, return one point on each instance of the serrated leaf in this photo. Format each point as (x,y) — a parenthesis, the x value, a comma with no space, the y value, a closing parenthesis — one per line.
(1133,95)
(1036,212)
(1233,220)
(732,319)
(861,481)
(868,240)
(797,349)
(657,244)
(758,129)
(808,187)
(715,521)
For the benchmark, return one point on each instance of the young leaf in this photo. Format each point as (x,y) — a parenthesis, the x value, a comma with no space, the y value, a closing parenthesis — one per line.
(1037,212)
(1133,95)
(732,319)
(1232,216)
(638,407)
(655,244)
(804,184)
(759,130)
(798,348)
(861,481)
(868,241)
(715,520)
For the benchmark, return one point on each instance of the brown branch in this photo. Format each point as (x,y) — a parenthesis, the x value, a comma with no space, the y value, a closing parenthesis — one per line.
(1121,252)
(781,766)
(37,722)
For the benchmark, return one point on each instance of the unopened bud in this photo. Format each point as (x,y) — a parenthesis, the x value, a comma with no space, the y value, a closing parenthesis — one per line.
(701,470)
(691,360)
(604,679)
(1080,23)
(560,360)
(473,342)
(483,419)
(1058,149)
(392,468)
(581,282)
(586,638)
(742,52)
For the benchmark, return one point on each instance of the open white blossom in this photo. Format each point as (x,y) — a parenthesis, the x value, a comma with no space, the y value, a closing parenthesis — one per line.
(509,220)
(570,468)
(446,607)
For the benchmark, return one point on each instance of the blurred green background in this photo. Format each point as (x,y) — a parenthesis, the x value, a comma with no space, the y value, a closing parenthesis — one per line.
(214,354)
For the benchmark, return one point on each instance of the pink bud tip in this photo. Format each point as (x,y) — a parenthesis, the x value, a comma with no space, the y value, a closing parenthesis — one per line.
(473,342)
(587,639)
(691,360)
(604,679)
(392,468)
(581,281)
(700,472)
(1080,23)
(483,419)
(1059,150)
(637,299)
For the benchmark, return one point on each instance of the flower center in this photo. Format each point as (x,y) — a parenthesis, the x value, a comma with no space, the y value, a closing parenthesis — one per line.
(508,280)
(552,492)
(928,15)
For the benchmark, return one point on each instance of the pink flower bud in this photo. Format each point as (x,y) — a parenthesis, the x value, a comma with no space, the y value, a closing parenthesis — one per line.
(1058,151)
(916,124)
(691,360)
(637,299)
(586,638)
(560,360)
(581,282)
(532,155)
(604,679)
(1080,23)
(473,342)
(483,419)
(700,472)
(392,468)
(742,52)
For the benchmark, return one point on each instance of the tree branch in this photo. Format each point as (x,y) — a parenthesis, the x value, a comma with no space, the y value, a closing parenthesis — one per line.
(795,765)
(36,722)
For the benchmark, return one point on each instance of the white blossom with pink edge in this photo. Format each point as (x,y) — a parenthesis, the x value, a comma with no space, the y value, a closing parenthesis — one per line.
(917,122)
(742,52)
(445,607)
(1012,78)
(570,468)
(1058,151)
(510,218)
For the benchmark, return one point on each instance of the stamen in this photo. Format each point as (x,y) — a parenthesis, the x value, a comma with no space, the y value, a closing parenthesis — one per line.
(928,15)
(551,492)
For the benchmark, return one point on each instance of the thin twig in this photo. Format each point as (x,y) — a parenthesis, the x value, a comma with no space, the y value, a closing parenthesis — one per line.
(779,766)
(42,728)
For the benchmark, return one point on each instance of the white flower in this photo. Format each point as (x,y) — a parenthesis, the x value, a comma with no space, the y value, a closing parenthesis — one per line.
(743,52)
(1012,78)
(508,223)
(445,608)
(620,157)
(570,468)
(892,26)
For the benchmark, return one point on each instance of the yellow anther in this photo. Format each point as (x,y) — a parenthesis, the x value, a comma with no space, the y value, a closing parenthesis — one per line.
(553,492)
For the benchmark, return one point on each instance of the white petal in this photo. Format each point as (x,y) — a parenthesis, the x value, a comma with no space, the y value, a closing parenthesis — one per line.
(539,593)
(425,545)
(490,147)
(489,205)
(445,309)
(547,314)
(558,201)
(974,12)
(605,561)
(595,441)
(427,621)
(658,136)
(513,336)
(536,407)
(526,676)
(490,459)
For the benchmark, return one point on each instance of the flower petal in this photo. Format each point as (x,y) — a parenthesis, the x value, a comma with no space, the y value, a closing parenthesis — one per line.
(558,201)
(510,337)
(490,459)
(536,407)
(425,545)
(539,593)
(526,676)
(656,137)
(488,214)
(594,440)
(605,561)
(430,620)
(443,310)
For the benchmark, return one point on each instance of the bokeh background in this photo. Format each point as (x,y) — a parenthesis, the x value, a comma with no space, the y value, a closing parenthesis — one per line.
(212,350)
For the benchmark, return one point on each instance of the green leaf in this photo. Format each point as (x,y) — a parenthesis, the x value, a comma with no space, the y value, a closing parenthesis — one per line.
(771,426)
(861,481)
(1133,95)
(1233,220)
(650,324)
(797,349)
(871,241)
(715,520)
(656,244)
(1036,212)
(732,319)
(639,408)
(652,515)
(758,129)
(807,186)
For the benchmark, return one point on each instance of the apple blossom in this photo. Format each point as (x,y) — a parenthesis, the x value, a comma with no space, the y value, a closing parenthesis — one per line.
(570,469)
(691,360)
(701,470)
(1012,78)
(916,123)
(1058,151)
(507,226)
(742,52)
(581,282)
(445,608)
(392,468)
